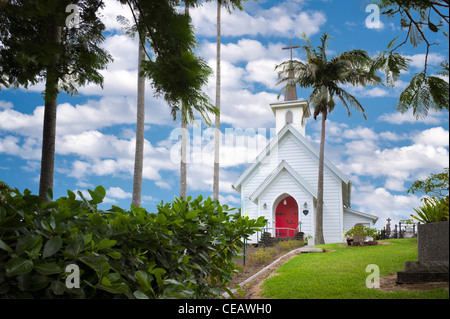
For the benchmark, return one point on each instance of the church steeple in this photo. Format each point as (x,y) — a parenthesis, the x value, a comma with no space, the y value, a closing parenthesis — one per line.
(291,111)
(291,90)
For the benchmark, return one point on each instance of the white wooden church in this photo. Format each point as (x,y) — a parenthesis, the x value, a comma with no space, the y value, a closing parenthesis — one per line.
(281,184)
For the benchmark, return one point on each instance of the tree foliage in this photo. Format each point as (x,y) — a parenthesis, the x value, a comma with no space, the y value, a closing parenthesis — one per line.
(433,210)
(326,76)
(175,71)
(436,204)
(362,232)
(39,44)
(184,250)
(437,185)
(423,20)
(27,52)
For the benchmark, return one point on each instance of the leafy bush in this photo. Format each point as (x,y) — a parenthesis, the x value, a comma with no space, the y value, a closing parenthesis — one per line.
(433,211)
(261,257)
(184,250)
(362,232)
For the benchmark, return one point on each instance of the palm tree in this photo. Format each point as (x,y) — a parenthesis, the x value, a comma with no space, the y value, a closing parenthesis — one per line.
(183,164)
(326,77)
(200,73)
(140,131)
(229,5)
(177,74)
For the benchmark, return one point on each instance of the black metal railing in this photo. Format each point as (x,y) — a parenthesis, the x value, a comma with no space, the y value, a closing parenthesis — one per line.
(400,230)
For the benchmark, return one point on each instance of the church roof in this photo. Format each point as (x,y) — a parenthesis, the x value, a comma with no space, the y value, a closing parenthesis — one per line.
(306,145)
(372,217)
(287,168)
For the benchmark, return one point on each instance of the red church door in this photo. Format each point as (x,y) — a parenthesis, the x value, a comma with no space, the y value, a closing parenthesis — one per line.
(286,216)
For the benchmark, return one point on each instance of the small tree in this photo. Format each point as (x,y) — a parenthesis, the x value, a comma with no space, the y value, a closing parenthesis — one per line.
(426,23)
(361,232)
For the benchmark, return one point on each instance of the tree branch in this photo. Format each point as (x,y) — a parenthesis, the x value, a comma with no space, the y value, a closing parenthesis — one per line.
(440,14)
(423,37)
(136,21)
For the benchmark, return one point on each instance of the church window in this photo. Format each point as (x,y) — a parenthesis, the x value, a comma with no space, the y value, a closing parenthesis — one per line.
(289,118)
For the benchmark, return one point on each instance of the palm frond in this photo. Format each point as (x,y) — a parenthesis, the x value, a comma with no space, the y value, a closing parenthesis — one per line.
(349,100)
(324,46)
(309,48)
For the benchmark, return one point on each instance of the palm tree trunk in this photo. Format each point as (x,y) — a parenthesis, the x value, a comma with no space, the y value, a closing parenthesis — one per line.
(183,165)
(217,139)
(49,129)
(319,238)
(140,133)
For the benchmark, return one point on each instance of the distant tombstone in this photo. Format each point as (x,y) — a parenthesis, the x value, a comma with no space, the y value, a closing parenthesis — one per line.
(388,227)
(409,232)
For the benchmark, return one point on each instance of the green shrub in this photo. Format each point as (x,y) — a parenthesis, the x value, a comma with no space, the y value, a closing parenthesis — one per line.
(361,231)
(184,250)
(261,257)
(433,211)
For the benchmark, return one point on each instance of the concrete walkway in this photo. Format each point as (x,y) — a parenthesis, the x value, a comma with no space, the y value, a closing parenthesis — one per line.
(303,250)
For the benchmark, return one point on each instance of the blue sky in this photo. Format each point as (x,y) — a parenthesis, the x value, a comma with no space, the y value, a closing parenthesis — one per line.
(383,155)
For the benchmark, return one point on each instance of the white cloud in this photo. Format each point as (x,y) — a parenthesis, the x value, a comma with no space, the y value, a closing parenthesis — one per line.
(115,157)
(5,105)
(285,19)
(92,115)
(382,203)
(418,60)
(27,148)
(229,200)
(117,192)
(398,165)
(398,118)
(244,109)
(13,121)
(436,136)
(93,144)
(263,71)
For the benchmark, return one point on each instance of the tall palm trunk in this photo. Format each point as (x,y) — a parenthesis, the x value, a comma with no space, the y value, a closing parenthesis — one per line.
(183,165)
(217,139)
(49,131)
(140,132)
(319,238)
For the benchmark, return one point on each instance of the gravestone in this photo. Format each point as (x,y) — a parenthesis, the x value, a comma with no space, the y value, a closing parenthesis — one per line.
(433,242)
(433,256)
(388,228)
(409,231)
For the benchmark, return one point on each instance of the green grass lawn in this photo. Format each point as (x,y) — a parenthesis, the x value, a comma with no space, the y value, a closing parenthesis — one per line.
(342,274)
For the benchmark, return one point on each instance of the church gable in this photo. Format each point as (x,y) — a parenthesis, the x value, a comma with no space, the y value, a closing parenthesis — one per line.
(291,146)
(285,170)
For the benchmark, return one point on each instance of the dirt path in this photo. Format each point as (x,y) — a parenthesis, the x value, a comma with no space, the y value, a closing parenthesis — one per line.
(252,289)
(250,282)
(388,283)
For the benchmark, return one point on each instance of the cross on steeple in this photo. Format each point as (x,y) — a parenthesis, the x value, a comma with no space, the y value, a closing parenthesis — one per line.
(291,90)
(292,49)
